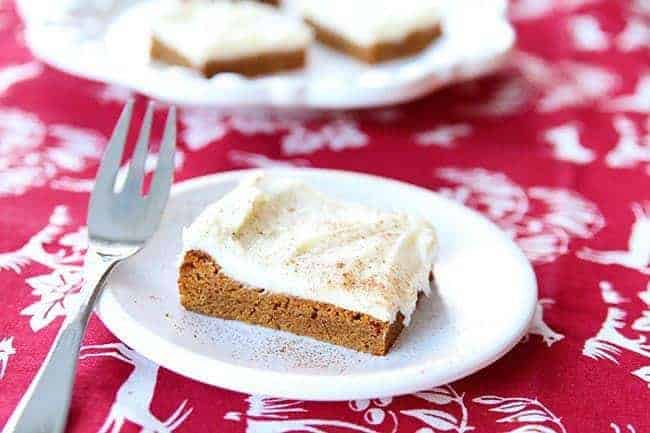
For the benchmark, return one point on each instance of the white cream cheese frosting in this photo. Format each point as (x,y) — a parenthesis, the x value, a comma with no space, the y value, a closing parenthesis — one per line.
(367,22)
(281,235)
(203,31)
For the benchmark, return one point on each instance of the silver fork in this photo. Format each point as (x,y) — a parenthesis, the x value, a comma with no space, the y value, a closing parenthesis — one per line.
(119,225)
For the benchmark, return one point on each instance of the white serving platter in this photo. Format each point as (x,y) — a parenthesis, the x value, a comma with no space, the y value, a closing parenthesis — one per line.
(109,42)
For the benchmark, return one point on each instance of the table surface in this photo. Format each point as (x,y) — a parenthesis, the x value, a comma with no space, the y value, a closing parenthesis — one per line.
(555,149)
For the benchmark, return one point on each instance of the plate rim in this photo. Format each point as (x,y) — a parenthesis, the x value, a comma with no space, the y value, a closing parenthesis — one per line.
(254,380)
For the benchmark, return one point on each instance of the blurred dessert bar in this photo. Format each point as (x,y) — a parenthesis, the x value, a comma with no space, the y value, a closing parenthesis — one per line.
(373,30)
(249,38)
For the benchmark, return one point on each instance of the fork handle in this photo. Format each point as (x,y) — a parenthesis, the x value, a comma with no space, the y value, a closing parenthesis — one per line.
(44,406)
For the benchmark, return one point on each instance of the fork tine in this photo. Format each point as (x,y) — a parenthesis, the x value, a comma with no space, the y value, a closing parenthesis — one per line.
(110,163)
(163,177)
(133,183)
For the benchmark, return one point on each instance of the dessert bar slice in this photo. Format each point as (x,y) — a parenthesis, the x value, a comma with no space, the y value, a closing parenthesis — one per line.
(274,252)
(373,30)
(249,38)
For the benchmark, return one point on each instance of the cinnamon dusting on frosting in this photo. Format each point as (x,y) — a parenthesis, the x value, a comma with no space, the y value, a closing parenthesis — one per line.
(282,235)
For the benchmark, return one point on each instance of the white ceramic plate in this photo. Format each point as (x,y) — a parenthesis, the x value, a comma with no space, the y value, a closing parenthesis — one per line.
(485,299)
(109,42)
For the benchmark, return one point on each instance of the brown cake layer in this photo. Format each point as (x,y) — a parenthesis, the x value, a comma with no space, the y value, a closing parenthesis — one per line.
(259,64)
(412,44)
(205,289)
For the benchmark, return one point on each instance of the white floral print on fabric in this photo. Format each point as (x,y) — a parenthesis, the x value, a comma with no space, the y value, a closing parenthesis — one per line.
(566,83)
(14,74)
(629,428)
(438,419)
(133,398)
(631,148)
(541,219)
(298,137)
(58,295)
(565,140)
(535,9)
(277,415)
(638,101)
(637,254)
(643,322)
(337,135)
(203,126)
(552,86)
(6,351)
(643,373)
(587,34)
(444,409)
(21,134)
(635,35)
(610,341)
(444,135)
(375,411)
(610,295)
(530,415)
(61,251)
(33,154)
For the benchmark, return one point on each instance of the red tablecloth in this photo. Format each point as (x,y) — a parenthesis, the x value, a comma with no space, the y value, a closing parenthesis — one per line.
(556,150)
